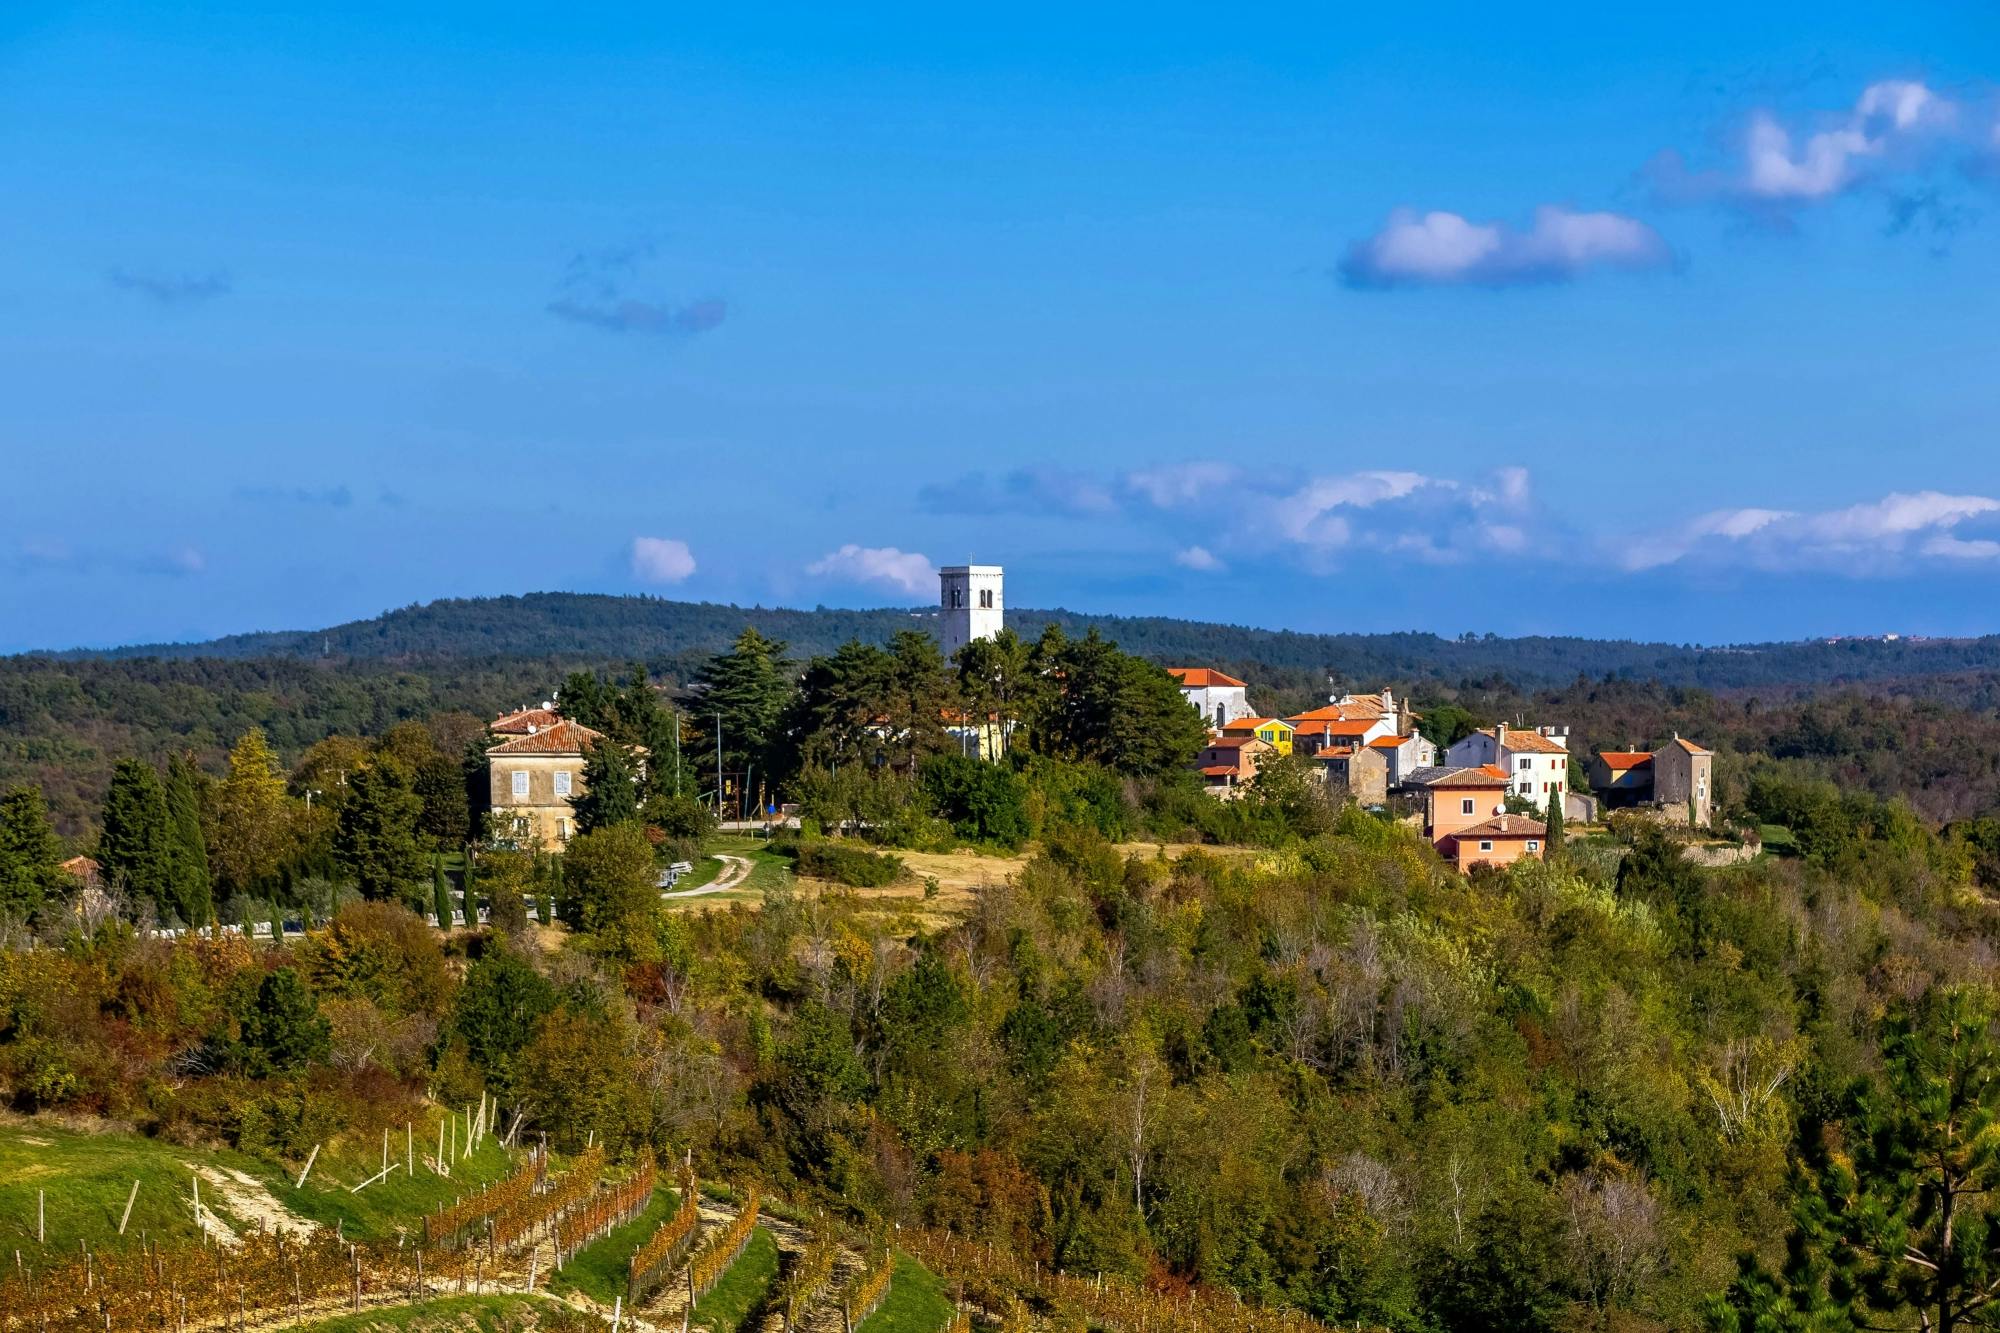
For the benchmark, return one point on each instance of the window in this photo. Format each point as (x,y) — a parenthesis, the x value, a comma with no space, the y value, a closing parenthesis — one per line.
(986,599)
(562,831)
(1534,846)
(1524,764)
(1486,846)
(520,780)
(1465,806)
(562,783)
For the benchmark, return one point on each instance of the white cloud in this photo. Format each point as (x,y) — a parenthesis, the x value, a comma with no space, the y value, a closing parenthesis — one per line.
(1889,127)
(187,560)
(1863,538)
(906,571)
(1199,558)
(1445,249)
(1310,517)
(661,559)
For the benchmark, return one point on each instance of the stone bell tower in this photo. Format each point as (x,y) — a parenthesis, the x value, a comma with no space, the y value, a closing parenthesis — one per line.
(969,605)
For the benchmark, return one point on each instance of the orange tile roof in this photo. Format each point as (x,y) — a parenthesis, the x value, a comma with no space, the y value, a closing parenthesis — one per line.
(1232,742)
(1347,726)
(1201,678)
(563,738)
(1219,770)
(1389,742)
(1252,723)
(1687,745)
(1621,759)
(1529,742)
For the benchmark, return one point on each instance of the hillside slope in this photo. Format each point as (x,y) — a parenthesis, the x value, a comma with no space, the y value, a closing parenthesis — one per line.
(669,634)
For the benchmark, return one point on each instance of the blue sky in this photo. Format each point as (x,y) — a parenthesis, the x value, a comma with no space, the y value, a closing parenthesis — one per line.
(1674,325)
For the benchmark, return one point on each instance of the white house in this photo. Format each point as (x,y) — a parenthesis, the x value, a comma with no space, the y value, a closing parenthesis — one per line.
(1536,761)
(1218,698)
(969,605)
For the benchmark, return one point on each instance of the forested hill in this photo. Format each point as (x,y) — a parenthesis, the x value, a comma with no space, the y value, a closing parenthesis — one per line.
(587,626)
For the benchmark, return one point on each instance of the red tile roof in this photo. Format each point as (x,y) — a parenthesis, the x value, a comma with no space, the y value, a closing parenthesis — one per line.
(1219,770)
(1624,759)
(1252,723)
(522,722)
(1389,742)
(563,738)
(1503,826)
(1201,678)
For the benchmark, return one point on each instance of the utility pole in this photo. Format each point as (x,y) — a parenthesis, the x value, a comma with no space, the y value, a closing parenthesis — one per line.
(677,751)
(718,765)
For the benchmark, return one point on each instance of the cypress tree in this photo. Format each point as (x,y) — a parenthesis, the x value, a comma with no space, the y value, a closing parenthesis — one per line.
(1553,846)
(133,846)
(440,893)
(187,854)
(30,857)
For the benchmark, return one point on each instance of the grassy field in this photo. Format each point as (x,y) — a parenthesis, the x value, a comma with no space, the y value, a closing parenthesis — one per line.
(767,871)
(742,1288)
(88,1177)
(599,1270)
(916,1302)
(459,1314)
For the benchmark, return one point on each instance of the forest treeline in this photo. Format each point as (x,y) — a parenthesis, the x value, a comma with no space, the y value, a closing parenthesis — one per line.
(664,633)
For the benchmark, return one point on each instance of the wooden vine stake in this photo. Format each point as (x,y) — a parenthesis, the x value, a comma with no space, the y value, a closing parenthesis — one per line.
(130,1199)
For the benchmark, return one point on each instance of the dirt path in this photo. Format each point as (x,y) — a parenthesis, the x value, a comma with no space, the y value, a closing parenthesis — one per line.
(735,869)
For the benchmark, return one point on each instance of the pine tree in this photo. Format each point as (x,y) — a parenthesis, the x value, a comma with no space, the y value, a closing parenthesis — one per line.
(1553,845)
(376,840)
(610,792)
(132,849)
(1896,1221)
(30,857)
(187,855)
(440,893)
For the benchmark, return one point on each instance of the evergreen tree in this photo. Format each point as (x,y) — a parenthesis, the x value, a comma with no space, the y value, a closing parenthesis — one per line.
(746,690)
(613,891)
(133,848)
(610,792)
(376,841)
(30,857)
(440,893)
(1552,846)
(187,854)
(284,1029)
(1896,1222)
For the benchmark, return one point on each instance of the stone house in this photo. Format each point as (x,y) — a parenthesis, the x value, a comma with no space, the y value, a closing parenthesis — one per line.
(1362,771)
(1670,779)
(1228,762)
(535,774)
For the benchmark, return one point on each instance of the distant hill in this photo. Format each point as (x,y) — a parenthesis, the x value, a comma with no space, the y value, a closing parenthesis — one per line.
(671,635)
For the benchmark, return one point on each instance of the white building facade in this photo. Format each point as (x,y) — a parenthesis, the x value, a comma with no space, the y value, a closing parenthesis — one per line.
(969,605)
(1536,762)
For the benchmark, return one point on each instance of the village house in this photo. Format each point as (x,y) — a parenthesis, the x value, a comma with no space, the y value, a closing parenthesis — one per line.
(1229,762)
(1404,755)
(535,774)
(1499,841)
(1220,699)
(1677,780)
(1459,798)
(1536,761)
(1361,771)
(1273,731)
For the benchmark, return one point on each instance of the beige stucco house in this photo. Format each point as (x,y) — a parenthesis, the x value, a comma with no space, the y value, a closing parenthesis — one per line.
(536,773)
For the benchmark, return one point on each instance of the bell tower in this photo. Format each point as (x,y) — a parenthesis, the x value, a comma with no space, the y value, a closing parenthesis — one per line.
(969,605)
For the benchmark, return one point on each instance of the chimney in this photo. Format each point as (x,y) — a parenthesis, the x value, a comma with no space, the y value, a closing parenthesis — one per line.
(1499,738)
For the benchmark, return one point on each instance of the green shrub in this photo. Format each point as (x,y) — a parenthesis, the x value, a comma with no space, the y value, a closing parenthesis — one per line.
(844,864)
